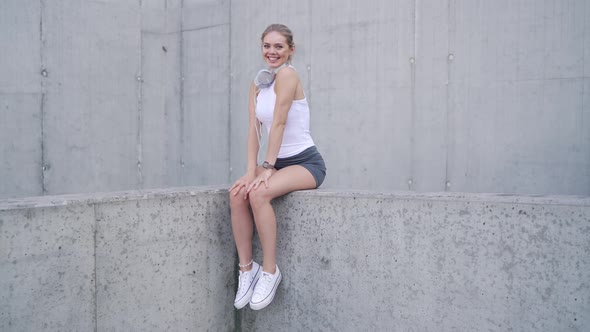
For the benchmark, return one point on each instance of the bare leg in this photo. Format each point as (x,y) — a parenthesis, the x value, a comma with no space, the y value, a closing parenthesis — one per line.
(242,226)
(284,181)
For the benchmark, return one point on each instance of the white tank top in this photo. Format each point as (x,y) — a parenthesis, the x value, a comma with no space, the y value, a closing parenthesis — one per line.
(296,137)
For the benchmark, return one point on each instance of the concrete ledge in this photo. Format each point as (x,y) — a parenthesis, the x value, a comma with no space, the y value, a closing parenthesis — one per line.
(131,261)
(430,262)
(164,260)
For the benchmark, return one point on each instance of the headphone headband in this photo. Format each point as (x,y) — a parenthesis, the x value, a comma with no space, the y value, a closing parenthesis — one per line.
(266,77)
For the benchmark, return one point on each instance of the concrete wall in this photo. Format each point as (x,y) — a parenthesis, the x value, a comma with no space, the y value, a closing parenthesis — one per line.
(165,260)
(466,96)
(135,261)
(430,262)
(112,95)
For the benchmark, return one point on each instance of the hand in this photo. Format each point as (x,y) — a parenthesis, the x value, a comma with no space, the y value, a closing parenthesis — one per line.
(262,177)
(242,182)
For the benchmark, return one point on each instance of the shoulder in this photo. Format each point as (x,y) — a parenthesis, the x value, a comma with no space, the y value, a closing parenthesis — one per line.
(287,74)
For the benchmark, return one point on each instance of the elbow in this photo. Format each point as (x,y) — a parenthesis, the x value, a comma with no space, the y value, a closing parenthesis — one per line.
(279,125)
(278,128)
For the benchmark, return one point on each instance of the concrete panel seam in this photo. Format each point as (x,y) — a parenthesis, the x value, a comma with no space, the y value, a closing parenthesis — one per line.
(160,33)
(310,65)
(95,231)
(43,166)
(447,184)
(237,312)
(140,109)
(205,27)
(412,60)
(229,84)
(44,74)
(181,97)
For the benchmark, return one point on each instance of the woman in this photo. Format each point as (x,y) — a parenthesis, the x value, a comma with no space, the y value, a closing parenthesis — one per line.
(292,163)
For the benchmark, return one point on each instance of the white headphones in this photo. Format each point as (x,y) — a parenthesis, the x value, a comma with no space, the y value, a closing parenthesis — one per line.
(265,77)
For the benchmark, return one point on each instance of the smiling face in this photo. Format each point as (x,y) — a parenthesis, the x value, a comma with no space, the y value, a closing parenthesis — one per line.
(276,49)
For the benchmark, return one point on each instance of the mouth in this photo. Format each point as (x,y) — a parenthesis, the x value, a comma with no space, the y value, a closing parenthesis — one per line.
(272,59)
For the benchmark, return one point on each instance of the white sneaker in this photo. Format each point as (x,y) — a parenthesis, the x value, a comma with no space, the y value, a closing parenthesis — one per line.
(265,289)
(246,282)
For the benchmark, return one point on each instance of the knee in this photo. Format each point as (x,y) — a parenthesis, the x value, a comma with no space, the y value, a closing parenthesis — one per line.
(237,201)
(259,197)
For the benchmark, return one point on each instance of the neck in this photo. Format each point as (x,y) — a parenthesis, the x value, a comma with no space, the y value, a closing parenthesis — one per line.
(276,70)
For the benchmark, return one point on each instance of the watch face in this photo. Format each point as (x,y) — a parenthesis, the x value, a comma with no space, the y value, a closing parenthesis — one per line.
(266,165)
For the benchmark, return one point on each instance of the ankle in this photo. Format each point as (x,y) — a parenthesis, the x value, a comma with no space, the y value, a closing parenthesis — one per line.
(247,266)
(271,270)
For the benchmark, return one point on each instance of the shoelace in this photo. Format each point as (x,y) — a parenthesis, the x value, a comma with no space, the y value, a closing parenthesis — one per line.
(244,282)
(263,283)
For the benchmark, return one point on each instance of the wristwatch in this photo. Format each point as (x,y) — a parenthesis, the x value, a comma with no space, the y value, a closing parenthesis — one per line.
(266,165)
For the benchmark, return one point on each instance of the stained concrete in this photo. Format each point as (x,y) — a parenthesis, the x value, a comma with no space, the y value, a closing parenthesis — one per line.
(47,275)
(163,264)
(432,262)
(401,261)
(151,260)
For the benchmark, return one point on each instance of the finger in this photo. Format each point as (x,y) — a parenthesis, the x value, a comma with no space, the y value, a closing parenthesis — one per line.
(238,189)
(236,186)
(250,187)
(243,190)
(266,183)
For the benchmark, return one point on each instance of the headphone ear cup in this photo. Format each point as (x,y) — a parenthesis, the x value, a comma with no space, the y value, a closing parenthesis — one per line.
(264,78)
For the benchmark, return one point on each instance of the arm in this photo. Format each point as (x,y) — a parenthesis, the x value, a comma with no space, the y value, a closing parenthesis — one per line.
(285,88)
(253,147)
(253,133)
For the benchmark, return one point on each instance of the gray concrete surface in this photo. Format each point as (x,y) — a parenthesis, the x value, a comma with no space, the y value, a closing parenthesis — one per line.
(403,261)
(429,262)
(135,261)
(465,96)
(47,275)
(103,96)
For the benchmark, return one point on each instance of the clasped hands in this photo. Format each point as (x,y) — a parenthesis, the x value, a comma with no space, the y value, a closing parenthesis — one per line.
(251,182)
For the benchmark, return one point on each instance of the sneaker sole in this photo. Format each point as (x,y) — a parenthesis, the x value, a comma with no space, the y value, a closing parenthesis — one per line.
(246,299)
(268,300)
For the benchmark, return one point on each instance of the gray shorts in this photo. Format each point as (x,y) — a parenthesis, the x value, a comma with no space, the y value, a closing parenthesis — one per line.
(311,159)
